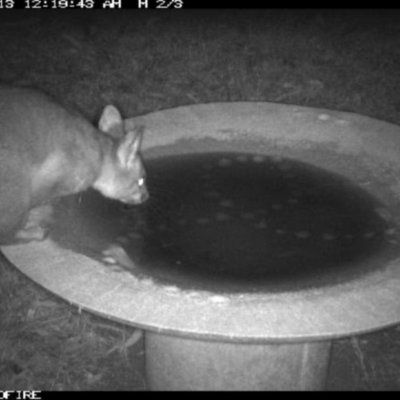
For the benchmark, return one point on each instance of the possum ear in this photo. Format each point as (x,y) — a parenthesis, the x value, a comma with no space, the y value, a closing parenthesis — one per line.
(127,152)
(111,121)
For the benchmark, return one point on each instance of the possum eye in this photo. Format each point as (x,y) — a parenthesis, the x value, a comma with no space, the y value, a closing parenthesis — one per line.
(141,182)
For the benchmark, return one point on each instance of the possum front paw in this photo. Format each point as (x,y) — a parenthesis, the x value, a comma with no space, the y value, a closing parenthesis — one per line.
(37,225)
(33,233)
(115,254)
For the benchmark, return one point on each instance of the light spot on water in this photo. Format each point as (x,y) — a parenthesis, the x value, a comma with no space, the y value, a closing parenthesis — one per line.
(241,158)
(277,206)
(224,162)
(221,216)
(206,179)
(202,221)
(207,185)
(289,176)
(135,235)
(260,225)
(313,192)
(328,236)
(258,159)
(369,235)
(292,201)
(226,203)
(296,193)
(284,167)
(276,159)
(260,211)
(122,239)
(247,216)
(281,232)
(390,231)
(303,234)
(212,193)
(384,213)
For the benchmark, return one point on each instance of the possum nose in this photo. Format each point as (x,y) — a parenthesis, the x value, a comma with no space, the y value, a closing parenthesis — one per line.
(137,198)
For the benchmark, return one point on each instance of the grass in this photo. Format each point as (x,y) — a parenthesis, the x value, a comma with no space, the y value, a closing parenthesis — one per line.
(151,60)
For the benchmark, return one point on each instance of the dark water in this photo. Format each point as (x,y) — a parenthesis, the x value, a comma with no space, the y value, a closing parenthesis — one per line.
(224,221)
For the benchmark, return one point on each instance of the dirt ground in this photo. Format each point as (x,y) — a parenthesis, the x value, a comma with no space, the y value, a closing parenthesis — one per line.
(144,61)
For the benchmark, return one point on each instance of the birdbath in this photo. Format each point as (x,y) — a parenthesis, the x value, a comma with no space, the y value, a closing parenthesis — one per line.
(267,333)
